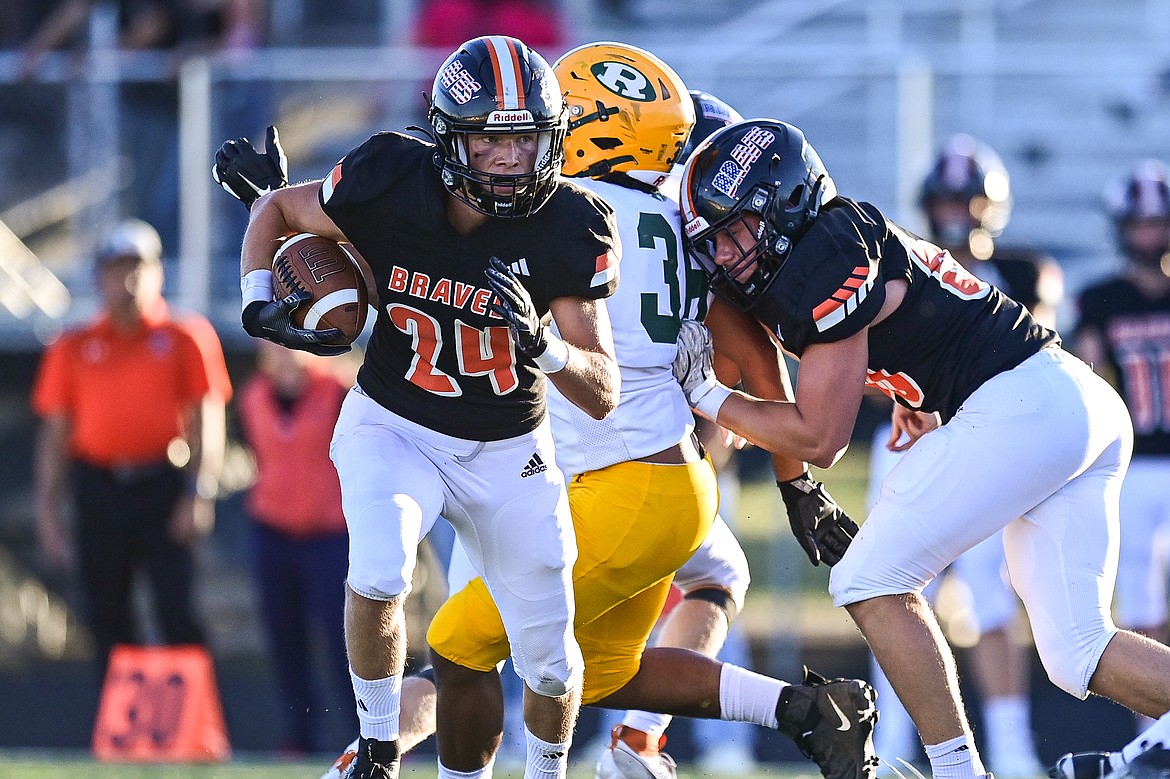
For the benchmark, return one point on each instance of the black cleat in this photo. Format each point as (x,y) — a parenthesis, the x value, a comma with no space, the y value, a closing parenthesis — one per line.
(832,723)
(375,760)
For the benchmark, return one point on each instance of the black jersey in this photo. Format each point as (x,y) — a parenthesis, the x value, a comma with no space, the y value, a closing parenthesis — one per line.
(951,333)
(1136,331)
(437,355)
(1019,274)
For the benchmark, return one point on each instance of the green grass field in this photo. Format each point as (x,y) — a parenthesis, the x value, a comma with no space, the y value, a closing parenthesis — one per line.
(23,766)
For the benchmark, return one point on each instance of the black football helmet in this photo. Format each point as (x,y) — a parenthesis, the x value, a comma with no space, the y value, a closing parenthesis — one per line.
(711,115)
(1142,194)
(496,85)
(761,167)
(969,172)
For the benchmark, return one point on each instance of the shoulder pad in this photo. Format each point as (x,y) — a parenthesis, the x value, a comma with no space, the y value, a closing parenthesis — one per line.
(373,167)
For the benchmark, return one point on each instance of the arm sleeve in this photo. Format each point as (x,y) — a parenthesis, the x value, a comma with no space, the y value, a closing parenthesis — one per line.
(363,177)
(590,262)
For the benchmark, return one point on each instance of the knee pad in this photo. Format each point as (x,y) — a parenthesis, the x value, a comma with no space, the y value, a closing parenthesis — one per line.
(849,583)
(379,589)
(1071,660)
(719,563)
(722,599)
(554,673)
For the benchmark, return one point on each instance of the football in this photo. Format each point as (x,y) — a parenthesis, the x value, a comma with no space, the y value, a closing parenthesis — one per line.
(329,272)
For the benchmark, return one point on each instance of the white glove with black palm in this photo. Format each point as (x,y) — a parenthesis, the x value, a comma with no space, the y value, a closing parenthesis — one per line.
(694,369)
(245,173)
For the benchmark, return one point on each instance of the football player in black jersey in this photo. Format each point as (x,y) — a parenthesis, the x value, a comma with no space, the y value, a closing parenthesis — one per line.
(1006,429)
(966,200)
(472,240)
(1124,332)
(641,139)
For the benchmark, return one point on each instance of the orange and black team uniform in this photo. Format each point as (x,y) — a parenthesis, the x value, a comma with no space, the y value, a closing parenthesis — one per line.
(437,355)
(833,273)
(126,395)
(448,418)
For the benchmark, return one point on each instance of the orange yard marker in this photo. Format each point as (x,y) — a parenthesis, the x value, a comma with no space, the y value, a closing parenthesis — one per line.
(160,704)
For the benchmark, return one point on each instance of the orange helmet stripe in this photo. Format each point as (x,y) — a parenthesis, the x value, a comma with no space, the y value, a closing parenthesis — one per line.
(506,69)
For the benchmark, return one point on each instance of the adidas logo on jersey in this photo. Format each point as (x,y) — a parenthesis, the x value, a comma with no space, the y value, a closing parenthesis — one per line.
(520,267)
(535,465)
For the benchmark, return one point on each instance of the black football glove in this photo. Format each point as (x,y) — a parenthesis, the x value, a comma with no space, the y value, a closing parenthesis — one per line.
(271,321)
(821,528)
(245,173)
(514,304)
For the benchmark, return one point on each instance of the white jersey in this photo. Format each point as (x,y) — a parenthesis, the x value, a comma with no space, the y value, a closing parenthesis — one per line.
(655,292)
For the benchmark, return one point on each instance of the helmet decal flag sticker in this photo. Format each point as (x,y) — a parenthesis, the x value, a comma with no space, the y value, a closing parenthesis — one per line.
(460,84)
(732,172)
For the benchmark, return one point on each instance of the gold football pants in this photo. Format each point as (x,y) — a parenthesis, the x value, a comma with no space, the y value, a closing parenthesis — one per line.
(636,523)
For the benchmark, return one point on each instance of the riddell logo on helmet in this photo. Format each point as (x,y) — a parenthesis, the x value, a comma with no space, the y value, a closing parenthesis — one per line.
(509,117)
(694,226)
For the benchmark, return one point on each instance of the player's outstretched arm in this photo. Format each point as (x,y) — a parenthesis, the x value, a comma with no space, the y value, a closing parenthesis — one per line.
(816,427)
(759,365)
(247,174)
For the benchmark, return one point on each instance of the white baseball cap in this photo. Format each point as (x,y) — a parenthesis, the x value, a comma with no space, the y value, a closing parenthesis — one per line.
(131,238)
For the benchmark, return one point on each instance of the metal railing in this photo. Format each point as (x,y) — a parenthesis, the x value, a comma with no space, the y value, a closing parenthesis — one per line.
(874,103)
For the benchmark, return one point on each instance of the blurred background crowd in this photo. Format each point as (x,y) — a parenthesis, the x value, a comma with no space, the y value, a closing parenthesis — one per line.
(112,111)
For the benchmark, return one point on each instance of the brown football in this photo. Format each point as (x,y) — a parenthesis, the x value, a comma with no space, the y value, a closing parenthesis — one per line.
(330,273)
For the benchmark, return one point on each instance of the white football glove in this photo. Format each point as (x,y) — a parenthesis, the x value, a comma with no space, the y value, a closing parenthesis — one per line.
(694,369)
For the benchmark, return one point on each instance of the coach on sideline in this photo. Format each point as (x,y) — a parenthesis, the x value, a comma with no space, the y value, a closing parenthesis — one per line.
(133,404)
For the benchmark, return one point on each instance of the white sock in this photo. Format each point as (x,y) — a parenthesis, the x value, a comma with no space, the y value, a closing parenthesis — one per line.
(652,724)
(545,760)
(745,696)
(483,773)
(1158,733)
(955,759)
(1008,723)
(378,703)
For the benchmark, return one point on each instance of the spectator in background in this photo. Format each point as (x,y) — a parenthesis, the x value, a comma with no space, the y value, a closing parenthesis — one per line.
(300,547)
(134,403)
(1124,333)
(149,119)
(446,24)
